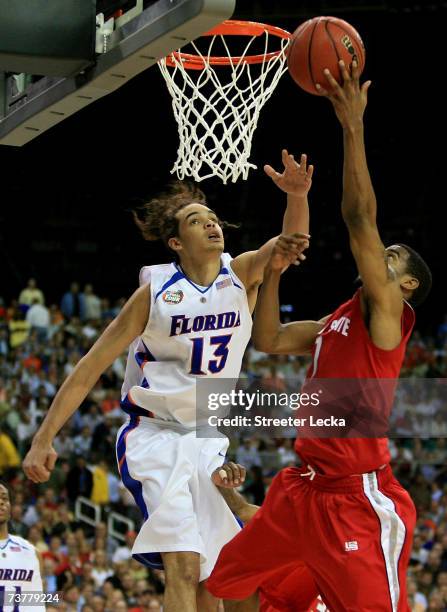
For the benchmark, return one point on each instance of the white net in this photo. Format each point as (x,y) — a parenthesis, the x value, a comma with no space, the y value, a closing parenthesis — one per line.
(217,108)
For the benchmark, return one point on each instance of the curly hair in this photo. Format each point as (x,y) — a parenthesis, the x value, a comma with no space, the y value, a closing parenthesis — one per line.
(156,218)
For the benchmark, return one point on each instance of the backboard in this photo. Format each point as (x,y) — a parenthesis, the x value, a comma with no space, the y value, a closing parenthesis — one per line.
(126,45)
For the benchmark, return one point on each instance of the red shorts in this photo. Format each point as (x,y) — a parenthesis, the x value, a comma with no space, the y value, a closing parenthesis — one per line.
(316,606)
(348,539)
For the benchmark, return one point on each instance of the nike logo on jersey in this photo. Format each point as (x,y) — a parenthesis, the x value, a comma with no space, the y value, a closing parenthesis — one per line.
(181,324)
(341,325)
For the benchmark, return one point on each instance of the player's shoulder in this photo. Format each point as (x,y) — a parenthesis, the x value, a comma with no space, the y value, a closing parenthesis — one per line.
(226,259)
(17,541)
(148,274)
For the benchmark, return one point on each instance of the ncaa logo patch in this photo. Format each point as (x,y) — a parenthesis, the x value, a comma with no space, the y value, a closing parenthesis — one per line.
(173,297)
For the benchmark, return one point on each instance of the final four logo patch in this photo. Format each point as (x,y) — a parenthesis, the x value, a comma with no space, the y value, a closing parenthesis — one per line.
(173,297)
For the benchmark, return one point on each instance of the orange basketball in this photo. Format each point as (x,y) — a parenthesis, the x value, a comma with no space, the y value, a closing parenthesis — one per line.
(321,43)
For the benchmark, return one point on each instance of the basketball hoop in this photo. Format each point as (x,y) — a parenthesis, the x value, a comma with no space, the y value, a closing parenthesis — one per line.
(217,98)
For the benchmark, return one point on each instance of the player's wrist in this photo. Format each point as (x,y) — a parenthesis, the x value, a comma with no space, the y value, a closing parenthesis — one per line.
(42,439)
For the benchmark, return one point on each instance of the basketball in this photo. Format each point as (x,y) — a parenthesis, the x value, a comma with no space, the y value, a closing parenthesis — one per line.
(321,43)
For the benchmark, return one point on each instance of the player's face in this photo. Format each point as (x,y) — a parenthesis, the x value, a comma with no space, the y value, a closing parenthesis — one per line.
(5,505)
(396,260)
(199,230)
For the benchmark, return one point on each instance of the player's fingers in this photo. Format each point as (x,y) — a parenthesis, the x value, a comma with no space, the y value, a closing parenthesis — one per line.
(285,156)
(366,85)
(355,70)
(51,460)
(271,172)
(303,163)
(219,477)
(322,91)
(236,472)
(336,89)
(344,72)
(243,472)
(229,473)
(37,473)
(310,171)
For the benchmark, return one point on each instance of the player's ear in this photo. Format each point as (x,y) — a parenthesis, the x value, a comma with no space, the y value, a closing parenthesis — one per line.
(174,244)
(409,283)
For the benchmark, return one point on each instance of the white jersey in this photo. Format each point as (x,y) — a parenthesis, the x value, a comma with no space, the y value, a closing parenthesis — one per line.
(192,332)
(19,571)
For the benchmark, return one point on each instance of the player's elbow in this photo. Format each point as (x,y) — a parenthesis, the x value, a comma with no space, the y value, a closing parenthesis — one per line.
(262,342)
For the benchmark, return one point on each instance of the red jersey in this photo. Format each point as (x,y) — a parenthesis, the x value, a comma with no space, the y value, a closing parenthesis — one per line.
(344,350)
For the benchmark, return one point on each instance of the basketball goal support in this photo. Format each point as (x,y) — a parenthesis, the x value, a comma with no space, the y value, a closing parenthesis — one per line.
(131,48)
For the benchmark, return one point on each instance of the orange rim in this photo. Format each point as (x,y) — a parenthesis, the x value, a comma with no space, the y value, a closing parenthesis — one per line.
(230,27)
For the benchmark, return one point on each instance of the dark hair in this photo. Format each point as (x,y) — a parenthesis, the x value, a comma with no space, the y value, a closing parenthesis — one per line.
(7,487)
(156,218)
(418,268)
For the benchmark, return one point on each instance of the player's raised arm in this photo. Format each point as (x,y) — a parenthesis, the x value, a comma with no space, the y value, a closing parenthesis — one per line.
(130,323)
(359,207)
(269,334)
(295,181)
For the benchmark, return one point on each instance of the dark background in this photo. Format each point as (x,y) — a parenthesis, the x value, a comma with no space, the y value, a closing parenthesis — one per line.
(65,195)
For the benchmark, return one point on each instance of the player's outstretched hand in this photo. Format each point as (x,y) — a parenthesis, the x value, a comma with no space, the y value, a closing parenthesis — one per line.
(296,178)
(349,100)
(39,462)
(288,250)
(229,475)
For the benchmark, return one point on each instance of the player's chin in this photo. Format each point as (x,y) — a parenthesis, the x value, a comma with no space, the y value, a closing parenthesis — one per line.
(216,245)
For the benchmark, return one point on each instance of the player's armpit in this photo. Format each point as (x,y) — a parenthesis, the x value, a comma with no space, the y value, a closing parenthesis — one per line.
(129,324)
(249,266)
(296,338)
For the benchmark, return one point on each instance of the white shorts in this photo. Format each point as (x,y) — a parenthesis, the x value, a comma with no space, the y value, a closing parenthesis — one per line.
(168,473)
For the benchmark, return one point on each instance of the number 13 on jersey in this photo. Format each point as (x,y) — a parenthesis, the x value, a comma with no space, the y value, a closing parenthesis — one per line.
(220,352)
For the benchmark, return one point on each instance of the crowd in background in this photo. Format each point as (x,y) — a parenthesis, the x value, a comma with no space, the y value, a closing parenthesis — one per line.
(39,347)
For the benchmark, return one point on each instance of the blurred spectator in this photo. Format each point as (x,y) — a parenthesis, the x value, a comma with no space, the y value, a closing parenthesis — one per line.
(287,453)
(18,329)
(31,294)
(124,553)
(254,486)
(79,480)
(92,304)
(247,454)
(101,568)
(38,316)
(73,303)
(100,490)
(9,457)
(82,442)
(16,524)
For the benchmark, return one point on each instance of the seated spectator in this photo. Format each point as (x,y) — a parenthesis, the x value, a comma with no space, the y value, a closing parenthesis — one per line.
(9,456)
(38,316)
(73,303)
(92,304)
(79,480)
(248,454)
(124,552)
(31,294)
(101,568)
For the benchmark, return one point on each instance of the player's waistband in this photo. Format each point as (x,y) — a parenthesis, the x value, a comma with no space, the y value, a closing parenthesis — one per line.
(343,484)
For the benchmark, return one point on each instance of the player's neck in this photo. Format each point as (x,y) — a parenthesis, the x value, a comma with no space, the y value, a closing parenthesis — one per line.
(202,272)
(3,531)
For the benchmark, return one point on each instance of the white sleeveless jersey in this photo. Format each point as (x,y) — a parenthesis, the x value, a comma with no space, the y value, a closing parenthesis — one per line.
(192,332)
(19,571)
